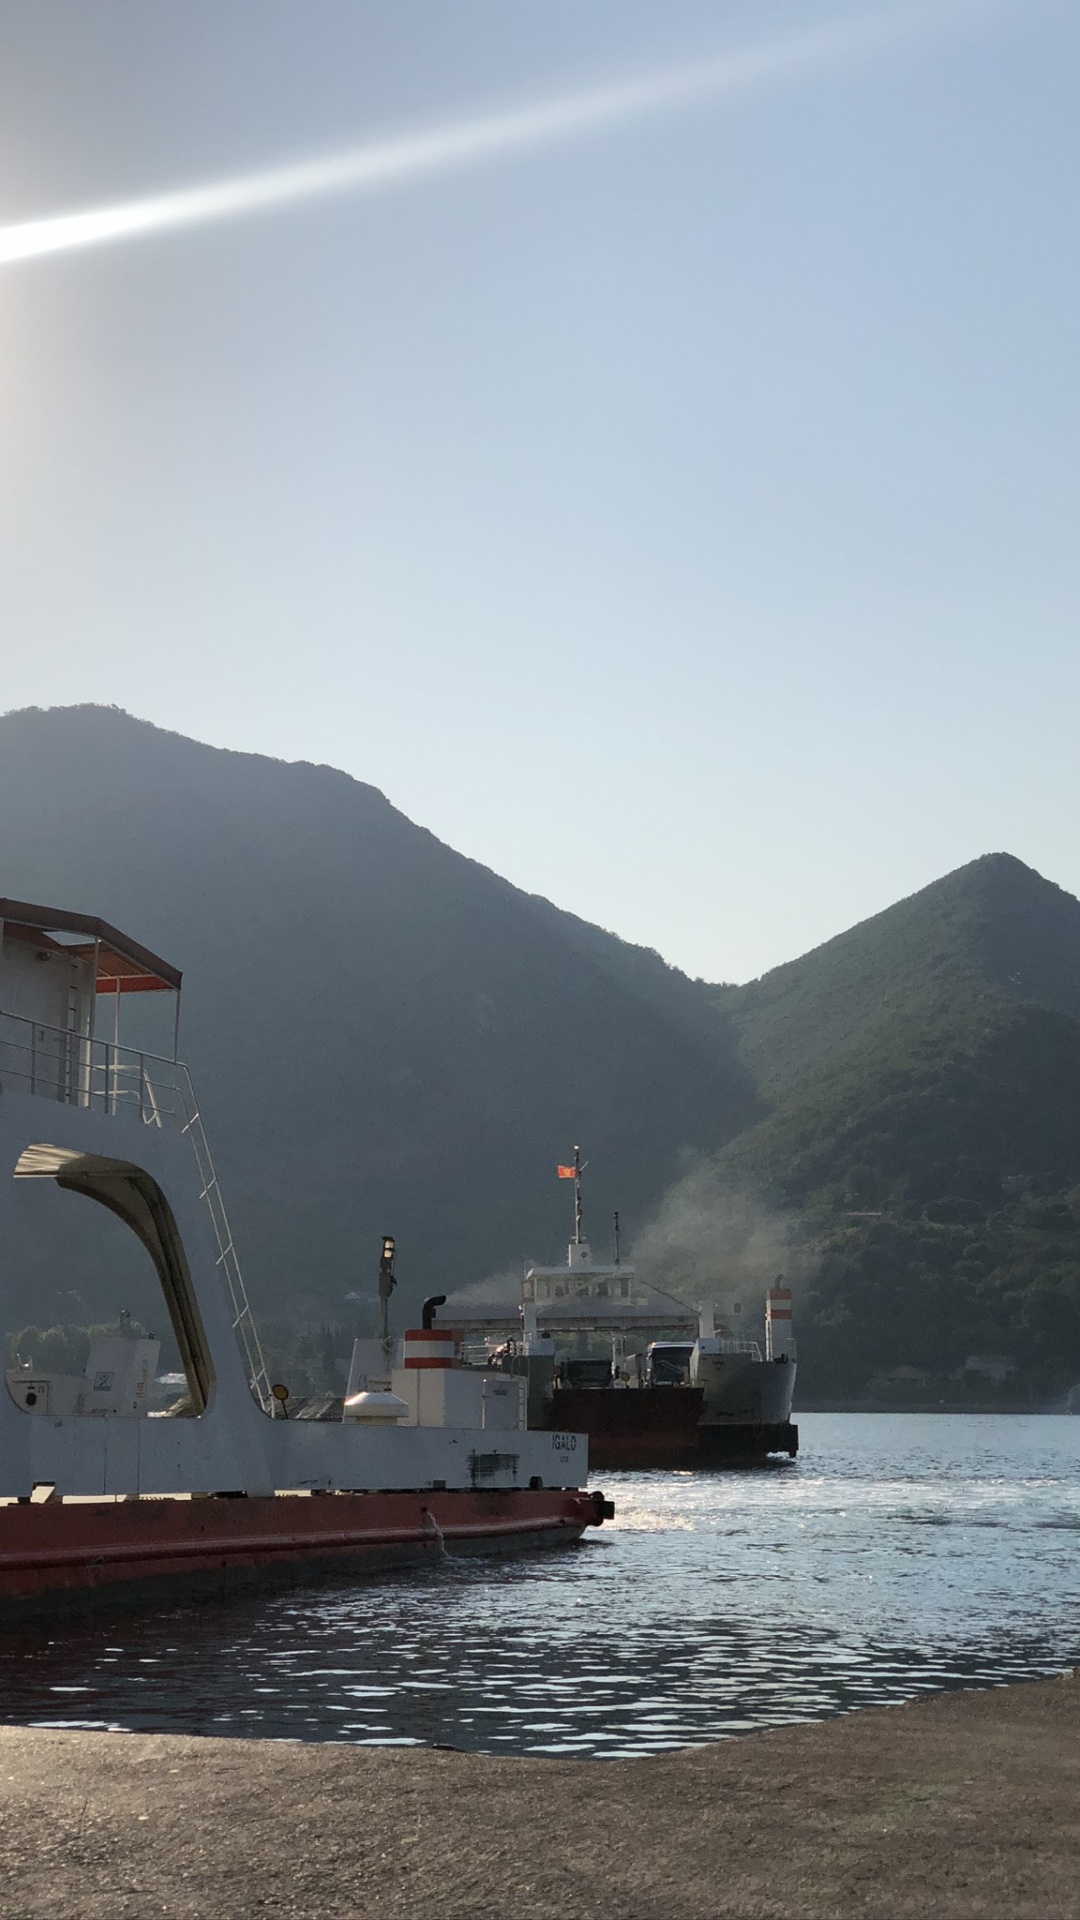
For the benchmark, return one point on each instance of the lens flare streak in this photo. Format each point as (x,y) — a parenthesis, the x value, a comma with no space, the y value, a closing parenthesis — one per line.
(382,164)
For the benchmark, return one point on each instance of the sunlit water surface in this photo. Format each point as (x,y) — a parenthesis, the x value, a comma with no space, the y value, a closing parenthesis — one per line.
(899,1555)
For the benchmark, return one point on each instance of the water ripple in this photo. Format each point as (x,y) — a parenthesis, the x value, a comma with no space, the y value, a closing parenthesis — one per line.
(900,1555)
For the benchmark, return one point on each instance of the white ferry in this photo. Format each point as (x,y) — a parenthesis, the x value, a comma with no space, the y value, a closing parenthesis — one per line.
(100,1494)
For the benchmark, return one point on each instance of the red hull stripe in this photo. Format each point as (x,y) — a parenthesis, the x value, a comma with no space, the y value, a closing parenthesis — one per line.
(59,1547)
(275,1543)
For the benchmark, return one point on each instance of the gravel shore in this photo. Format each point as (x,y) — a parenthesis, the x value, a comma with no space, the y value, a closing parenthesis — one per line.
(963,1804)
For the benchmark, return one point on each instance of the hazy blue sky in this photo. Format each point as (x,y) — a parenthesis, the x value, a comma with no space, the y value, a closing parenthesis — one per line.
(680,517)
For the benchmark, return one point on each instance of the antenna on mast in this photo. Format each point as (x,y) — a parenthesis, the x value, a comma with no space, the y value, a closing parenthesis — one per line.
(616,1236)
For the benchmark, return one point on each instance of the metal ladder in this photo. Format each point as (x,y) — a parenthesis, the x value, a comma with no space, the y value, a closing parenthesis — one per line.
(243,1322)
(70,1047)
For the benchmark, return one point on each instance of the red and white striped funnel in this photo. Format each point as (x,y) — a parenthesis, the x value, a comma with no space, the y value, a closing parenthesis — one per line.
(779,1330)
(429,1347)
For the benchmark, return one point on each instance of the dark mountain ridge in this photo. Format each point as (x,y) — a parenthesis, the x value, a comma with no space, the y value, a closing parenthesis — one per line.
(922,1074)
(386,1036)
(994,927)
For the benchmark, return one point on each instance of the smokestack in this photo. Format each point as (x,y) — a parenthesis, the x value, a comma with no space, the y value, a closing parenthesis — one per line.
(779,1330)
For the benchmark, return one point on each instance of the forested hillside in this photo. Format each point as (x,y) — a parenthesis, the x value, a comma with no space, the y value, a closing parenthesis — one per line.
(923,1078)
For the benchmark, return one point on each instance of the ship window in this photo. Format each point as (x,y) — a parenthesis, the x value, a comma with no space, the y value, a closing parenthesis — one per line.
(100,1312)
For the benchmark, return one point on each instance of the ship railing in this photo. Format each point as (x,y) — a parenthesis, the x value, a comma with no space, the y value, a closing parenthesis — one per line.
(78,1070)
(748,1347)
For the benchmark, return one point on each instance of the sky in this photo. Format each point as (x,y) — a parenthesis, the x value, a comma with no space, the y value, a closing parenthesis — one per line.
(654,465)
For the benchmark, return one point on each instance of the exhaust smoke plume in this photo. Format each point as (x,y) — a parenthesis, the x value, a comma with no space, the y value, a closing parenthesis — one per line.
(709,1241)
(379,165)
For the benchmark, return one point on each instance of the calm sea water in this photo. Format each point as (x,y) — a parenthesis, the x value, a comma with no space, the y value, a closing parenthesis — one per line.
(900,1554)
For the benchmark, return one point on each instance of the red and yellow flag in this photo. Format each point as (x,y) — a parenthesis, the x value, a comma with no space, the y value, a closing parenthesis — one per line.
(566,1173)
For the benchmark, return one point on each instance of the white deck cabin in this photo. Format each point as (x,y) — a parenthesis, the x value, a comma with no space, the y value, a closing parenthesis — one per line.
(580,1297)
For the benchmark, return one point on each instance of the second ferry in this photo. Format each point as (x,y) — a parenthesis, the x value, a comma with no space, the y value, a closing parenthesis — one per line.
(653,1380)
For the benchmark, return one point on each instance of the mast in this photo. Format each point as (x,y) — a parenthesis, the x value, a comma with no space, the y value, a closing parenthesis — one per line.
(617,1237)
(387,1283)
(574,1172)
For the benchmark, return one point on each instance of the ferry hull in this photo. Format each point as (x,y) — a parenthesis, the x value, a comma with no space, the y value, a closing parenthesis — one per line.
(64,1553)
(662,1427)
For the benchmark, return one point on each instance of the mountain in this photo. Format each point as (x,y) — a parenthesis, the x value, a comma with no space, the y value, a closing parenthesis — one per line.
(386,1037)
(923,974)
(922,1079)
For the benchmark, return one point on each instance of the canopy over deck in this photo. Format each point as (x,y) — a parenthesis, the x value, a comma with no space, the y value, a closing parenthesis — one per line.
(121,964)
